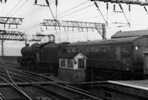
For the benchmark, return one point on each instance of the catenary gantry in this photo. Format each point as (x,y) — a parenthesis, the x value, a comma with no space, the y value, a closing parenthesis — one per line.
(75,25)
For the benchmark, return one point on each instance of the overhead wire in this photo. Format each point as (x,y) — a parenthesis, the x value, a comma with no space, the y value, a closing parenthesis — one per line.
(2,7)
(23,4)
(97,6)
(77,10)
(20,7)
(81,9)
(41,6)
(77,6)
(11,10)
(15,6)
(81,15)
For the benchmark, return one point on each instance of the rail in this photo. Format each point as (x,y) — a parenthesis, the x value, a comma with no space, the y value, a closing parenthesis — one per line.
(62,91)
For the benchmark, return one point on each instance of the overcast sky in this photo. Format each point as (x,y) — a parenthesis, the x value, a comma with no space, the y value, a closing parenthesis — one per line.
(81,10)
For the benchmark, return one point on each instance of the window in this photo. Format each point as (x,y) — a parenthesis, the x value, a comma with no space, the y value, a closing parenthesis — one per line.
(80,63)
(125,52)
(70,63)
(38,57)
(87,49)
(62,63)
(118,53)
(68,50)
(91,49)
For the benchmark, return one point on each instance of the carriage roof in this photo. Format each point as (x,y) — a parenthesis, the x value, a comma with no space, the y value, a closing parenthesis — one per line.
(105,42)
(135,33)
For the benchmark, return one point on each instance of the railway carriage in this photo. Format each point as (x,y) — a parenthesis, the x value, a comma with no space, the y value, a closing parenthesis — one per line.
(117,58)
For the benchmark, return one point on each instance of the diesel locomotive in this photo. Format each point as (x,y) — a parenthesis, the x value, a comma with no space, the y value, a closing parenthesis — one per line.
(117,58)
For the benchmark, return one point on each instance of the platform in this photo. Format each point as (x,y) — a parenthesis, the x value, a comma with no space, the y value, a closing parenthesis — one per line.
(125,90)
(139,84)
(119,90)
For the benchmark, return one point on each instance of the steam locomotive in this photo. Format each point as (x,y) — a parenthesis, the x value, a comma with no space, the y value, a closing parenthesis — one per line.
(116,58)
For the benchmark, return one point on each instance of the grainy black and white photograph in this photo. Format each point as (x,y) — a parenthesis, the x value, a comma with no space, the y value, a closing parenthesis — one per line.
(73,49)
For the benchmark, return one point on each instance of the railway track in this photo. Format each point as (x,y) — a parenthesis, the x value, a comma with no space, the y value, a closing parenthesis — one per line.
(75,93)
(50,80)
(24,92)
(31,86)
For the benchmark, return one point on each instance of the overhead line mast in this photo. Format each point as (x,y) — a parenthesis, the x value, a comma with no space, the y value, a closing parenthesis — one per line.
(3,1)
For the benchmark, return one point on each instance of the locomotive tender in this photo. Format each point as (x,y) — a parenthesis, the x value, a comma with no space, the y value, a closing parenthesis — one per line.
(40,57)
(119,58)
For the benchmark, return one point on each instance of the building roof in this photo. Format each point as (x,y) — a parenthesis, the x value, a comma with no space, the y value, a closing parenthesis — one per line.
(124,34)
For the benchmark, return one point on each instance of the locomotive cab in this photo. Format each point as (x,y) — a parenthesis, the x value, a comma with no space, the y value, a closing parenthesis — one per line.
(72,67)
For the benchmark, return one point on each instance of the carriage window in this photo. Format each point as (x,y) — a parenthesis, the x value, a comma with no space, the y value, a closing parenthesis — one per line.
(73,50)
(87,49)
(80,63)
(68,50)
(125,52)
(38,57)
(70,63)
(92,49)
(62,63)
(118,53)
